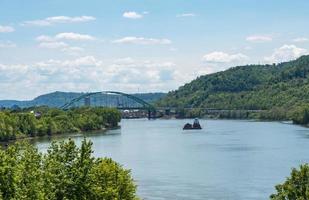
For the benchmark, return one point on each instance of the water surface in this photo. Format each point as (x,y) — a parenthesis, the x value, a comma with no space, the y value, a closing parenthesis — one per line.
(228,159)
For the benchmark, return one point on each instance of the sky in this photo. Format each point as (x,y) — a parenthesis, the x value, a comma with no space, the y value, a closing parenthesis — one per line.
(140,46)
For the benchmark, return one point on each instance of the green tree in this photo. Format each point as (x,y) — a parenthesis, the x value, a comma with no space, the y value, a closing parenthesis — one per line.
(111,181)
(301,115)
(65,172)
(296,187)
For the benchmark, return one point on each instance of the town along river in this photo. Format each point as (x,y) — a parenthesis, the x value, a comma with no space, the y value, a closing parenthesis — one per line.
(227,159)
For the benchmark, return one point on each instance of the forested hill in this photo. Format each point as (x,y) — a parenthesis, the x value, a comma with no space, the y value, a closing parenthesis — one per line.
(251,87)
(57,99)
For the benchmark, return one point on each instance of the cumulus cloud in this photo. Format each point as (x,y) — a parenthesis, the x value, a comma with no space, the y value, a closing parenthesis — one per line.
(53,45)
(286,53)
(6,29)
(83,61)
(58,20)
(222,57)
(64,47)
(141,40)
(44,38)
(74,36)
(132,15)
(65,36)
(57,42)
(88,73)
(301,39)
(259,38)
(187,15)
(142,72)
(72,50)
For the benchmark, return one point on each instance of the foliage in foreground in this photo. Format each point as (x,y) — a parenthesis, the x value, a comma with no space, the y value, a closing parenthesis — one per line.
(296,187)
(55,121)
(64,172)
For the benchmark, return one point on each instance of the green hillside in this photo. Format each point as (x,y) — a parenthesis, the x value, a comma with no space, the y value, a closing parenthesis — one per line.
(283,86)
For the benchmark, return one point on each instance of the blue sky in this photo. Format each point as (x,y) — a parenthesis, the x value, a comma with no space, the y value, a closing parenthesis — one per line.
(140,46)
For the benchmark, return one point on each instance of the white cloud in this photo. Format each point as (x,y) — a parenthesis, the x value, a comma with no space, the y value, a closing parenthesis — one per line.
(83,61)
(286,53)
(88,73)
(53,45)
(56,42)
(222,57)
(187,15)
(6,29)
(64,36)
(7,44)
(73,50)
(132,15)
(73,36)
(141,40)
(259,38)
(301,39)
(142,73)
(58,20)
(44,38)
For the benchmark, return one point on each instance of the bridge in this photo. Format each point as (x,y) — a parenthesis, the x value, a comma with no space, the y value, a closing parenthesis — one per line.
(133,106)
(119,100)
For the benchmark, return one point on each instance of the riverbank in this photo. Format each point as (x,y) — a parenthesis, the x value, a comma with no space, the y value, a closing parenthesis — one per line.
(45,121)
(57,136)
(299,115)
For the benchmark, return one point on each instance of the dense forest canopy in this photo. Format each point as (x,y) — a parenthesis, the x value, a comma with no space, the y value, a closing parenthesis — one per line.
(49,121)
(64,172)
(283,86)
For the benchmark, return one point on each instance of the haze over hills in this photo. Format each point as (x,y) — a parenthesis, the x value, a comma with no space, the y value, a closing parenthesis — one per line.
(252,87)
(57,99)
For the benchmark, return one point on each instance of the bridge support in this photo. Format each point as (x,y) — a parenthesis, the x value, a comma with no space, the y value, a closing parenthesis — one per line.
(151,114)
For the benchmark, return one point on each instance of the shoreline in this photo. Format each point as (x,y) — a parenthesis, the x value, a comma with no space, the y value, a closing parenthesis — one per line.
(29,138)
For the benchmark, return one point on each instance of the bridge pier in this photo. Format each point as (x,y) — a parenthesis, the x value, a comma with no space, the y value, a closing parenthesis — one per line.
(151,114)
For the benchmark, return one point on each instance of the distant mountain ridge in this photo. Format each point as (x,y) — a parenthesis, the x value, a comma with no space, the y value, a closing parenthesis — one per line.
(57,99)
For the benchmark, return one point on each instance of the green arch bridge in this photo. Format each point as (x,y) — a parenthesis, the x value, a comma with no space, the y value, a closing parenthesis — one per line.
(139,104)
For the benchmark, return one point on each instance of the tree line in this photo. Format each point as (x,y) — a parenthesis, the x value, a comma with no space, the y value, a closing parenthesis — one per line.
(299,114)
(42,121)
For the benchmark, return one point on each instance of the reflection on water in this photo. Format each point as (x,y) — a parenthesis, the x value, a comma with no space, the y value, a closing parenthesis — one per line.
(228,159)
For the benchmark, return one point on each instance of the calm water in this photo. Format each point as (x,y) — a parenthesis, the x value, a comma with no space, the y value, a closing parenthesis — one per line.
(226,160)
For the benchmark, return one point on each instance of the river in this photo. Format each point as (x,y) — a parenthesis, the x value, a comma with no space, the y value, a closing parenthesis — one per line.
(228,159)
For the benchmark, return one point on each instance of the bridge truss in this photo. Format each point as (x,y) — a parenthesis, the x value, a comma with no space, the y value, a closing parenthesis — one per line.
(119,100)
